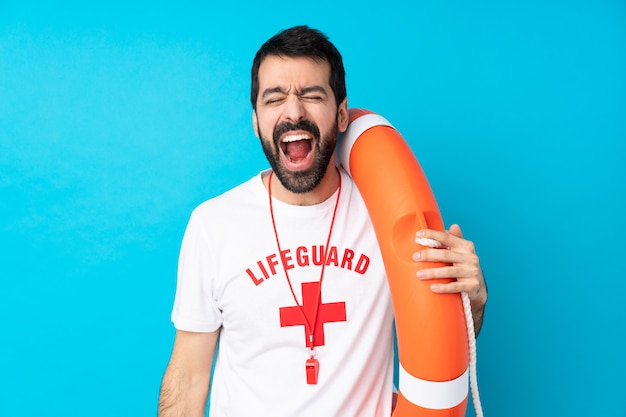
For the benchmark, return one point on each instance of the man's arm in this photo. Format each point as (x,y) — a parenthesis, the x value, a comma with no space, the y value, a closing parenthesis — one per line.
(185,385)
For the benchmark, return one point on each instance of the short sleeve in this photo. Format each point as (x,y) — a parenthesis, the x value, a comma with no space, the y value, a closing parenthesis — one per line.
(195,305)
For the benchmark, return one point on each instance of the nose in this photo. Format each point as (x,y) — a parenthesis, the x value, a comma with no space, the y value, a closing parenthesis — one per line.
(294,110)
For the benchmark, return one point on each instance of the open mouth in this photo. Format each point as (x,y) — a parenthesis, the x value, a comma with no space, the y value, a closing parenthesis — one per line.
(296,147)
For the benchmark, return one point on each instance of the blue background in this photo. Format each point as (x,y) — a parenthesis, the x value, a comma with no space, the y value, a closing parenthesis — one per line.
(117,119)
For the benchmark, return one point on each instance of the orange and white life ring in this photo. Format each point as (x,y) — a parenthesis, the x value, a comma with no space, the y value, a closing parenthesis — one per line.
(431,328)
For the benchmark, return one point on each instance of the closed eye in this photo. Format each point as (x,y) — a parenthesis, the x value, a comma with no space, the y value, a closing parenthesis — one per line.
(273,95)
(314,93)
(273,100)
(312,99)
(311,94)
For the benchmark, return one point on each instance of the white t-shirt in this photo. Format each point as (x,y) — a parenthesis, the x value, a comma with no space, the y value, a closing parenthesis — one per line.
(231,276)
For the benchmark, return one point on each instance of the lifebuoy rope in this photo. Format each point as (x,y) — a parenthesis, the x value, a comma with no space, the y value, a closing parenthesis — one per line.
(471,338)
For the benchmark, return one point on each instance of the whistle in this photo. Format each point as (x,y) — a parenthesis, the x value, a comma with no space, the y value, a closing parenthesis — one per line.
(312,369)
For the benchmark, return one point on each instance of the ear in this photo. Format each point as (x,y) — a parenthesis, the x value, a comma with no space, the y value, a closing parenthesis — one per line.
(342,115)
(255,123)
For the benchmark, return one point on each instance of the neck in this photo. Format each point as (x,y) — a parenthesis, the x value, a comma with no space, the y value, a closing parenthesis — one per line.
(319,194)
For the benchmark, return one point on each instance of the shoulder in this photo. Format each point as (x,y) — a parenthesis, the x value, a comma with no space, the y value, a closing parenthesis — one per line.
(242,195)
(226,211)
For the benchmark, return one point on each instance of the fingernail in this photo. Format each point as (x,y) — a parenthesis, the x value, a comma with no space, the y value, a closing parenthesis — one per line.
(419,233)
(417,256)
(421,273)
(434,287)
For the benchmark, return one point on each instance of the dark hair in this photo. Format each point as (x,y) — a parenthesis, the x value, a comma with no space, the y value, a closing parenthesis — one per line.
(302,41)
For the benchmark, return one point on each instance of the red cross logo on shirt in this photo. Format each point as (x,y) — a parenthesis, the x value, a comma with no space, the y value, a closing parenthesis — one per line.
(327,313)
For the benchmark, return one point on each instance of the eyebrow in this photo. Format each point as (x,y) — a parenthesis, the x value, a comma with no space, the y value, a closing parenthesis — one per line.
(305,90)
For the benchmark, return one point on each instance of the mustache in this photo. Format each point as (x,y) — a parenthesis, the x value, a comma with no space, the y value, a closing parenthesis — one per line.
(305,125)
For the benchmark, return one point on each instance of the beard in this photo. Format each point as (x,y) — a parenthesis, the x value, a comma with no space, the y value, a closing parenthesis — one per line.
(303,181)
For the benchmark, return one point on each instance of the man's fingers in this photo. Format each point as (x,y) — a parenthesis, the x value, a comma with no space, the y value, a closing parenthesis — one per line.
(459,272)
(446,256)
(471,287)
(455,230)
(447,240)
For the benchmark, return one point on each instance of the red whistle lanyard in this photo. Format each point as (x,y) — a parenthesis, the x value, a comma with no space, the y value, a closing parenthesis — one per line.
(312,365)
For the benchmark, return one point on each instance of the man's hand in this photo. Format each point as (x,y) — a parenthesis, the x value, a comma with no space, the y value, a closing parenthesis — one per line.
(463,266)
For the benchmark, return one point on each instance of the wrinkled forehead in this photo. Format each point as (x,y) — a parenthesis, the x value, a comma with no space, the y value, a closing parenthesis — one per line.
(293,72)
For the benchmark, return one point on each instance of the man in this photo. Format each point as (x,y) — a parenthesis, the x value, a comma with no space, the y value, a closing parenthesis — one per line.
(284,271)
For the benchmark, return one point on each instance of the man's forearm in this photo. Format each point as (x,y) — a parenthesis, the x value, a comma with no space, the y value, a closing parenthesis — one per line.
(478,309)
(477,315)
(179,397)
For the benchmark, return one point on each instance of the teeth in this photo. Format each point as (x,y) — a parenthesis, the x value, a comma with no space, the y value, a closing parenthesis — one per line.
(294,138)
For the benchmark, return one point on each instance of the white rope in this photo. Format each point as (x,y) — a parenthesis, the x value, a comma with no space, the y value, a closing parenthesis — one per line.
(471,337)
